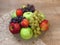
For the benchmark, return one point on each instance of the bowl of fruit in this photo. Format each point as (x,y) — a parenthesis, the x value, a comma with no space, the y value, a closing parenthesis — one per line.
(28,22)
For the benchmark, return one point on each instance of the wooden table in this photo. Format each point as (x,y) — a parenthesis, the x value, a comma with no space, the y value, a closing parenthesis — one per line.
(51,8)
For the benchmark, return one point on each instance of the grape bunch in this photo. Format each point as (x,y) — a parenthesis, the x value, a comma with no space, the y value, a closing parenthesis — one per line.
(34,23)
(17,19)
(28,8)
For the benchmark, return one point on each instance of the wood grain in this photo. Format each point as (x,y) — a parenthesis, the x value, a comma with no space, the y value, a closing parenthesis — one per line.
(51,8)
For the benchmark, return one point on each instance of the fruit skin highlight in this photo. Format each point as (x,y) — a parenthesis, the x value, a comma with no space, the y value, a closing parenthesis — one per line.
(26,33)
(14,28)
(44,25)
(27,15)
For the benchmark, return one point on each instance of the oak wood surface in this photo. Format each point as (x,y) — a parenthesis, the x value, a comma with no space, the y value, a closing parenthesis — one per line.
(51,8)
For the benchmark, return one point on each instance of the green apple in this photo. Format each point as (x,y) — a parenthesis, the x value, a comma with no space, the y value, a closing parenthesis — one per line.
(14,14)
(27,15)
(26,33)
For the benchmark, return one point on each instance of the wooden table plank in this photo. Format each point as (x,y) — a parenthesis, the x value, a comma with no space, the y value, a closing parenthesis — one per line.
(51,8)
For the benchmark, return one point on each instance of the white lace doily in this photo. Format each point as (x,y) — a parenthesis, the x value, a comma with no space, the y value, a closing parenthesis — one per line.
(6,38)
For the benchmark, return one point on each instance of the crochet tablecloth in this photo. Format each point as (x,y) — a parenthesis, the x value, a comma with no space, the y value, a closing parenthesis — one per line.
(7,38)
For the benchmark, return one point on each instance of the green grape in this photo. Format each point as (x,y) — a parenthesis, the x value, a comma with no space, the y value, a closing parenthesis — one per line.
(32,18)
(35,35)
(30,22)
(36,12)
(34,23)
(35,31)
(39,21)
(38,28)
(39,16)
(34,15)
(38,32)
(36,18)
(42,15)
(32,27)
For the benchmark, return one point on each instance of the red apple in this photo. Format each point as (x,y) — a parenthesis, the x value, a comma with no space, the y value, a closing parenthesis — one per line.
(14,28)
(19,12)
(44,25)
(24,23)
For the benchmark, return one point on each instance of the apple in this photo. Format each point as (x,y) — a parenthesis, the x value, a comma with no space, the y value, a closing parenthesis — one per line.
(14,14)
(27,15)
(44,25)
(24,23)
(19,12)
(26,33)
(14,28)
